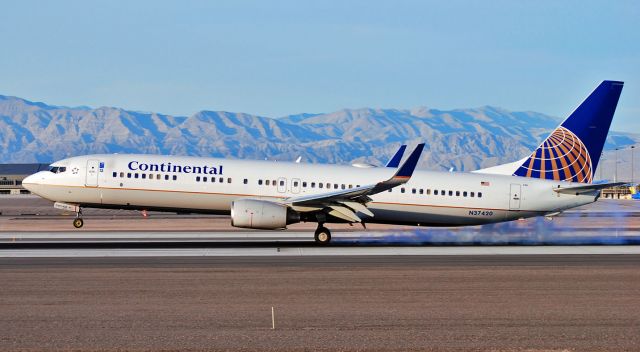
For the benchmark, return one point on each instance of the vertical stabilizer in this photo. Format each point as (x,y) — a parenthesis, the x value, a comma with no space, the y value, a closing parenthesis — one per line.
(572,151)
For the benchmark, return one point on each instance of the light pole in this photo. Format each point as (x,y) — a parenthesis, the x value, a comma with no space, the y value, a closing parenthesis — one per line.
(615,175)
(601,166)
(632,147)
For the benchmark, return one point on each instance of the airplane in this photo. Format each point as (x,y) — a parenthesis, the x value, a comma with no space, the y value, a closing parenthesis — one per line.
(270,195)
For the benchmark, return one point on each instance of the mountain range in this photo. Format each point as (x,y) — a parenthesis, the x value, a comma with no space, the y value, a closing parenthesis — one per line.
(465,139)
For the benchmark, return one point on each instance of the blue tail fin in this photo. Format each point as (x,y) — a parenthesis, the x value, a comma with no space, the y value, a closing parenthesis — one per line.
(572,151)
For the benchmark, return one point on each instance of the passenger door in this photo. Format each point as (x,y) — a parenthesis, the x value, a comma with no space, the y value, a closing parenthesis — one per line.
(91,179)
(515,196)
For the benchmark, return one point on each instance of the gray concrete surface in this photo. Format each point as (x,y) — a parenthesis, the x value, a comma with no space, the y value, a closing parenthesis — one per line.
(423,303)
(190,283)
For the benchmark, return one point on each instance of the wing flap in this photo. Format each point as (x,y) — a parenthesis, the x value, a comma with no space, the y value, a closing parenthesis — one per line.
(357,207)
(344,213)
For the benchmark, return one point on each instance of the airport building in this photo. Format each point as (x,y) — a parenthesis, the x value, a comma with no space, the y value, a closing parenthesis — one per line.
(11,176)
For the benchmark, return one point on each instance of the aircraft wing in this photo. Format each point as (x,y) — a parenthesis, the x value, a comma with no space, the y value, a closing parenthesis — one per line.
(587,188)
(344,203)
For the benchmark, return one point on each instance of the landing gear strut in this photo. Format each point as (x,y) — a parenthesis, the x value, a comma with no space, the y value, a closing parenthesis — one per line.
(322,235)
(78,222)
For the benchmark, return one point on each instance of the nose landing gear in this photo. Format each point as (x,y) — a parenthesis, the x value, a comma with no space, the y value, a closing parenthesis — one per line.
(322,235)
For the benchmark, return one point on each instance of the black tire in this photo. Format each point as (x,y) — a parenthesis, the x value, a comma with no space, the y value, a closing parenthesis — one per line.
(323,236)
(77,223)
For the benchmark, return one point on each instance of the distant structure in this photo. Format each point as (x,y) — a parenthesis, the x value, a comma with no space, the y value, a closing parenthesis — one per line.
(11,176)
(620,192)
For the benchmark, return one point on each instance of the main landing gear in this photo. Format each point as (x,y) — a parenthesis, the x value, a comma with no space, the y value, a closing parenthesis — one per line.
(322,235)
(78,222)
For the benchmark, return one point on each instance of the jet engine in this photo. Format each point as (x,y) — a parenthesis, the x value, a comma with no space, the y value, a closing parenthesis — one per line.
(261,214)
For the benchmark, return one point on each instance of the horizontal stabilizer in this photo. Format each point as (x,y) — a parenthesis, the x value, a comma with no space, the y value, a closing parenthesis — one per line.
(587,188)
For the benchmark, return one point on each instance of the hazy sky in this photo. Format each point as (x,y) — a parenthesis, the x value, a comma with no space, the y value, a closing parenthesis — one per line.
(275,58)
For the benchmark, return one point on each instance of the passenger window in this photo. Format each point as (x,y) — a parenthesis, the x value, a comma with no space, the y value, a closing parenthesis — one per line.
(259,182)
(401,190)
(281,183)
(442,192)
(204,179)
(135,175)
(457,193)
(158,176)
(266,182)
(128,175)
(350,186)
(413,191)
(479,194)
(197,178)
(328,185)
(313,185)
(421,191)
(304,184)
(175,177)
(435,192)
(295,184)
(245,181)
(343,186)
(228,179)
(428,191)
(472,194)
(221,180)
(122,174)
(166,177)
(115,174)
(320,185)
(464,194)
(450,193)
(335,186)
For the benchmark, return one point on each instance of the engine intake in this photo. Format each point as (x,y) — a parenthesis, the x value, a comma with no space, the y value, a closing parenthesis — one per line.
(261,214)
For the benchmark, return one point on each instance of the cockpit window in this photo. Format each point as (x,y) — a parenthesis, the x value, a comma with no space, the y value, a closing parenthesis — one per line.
(57,169)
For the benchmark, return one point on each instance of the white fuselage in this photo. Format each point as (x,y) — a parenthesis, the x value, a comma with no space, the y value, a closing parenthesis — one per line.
(430,198)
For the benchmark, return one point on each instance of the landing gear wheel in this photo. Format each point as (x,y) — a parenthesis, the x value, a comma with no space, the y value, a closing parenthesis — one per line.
(322,235)
(78,222)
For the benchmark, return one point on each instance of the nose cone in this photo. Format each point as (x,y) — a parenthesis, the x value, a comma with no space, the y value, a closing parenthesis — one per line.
(31,183)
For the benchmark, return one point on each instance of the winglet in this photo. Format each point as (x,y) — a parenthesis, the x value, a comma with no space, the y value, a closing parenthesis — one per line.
(406,170)
(395,160)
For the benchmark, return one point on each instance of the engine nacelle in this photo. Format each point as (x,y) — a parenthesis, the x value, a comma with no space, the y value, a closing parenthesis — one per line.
(261,214)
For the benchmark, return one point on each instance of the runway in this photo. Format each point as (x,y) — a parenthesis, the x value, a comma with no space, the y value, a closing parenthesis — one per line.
(282,244)
(338,303)
(183,282)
